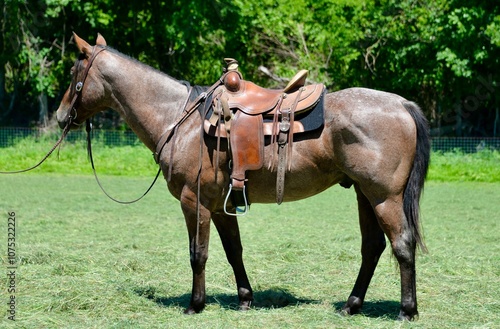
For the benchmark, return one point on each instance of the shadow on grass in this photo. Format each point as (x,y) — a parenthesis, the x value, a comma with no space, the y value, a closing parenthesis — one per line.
(388,309)
(267,299)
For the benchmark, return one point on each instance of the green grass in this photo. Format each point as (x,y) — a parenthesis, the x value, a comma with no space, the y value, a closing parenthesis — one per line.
(86,262)
(72,158)
(137,161)
(483,166)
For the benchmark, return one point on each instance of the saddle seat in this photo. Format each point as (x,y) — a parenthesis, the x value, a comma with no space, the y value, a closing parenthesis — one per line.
(252,99)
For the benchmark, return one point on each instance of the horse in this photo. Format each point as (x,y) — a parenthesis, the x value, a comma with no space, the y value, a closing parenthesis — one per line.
(376,141)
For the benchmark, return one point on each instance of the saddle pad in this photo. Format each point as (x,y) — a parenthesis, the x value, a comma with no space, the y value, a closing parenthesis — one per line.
(310,120)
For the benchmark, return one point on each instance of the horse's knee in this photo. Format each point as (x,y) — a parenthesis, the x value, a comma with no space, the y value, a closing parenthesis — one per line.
(198,256)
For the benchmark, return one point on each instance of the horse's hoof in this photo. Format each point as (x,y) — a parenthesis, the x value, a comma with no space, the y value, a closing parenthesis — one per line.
(407,317)
(245,306)
(352,306)
(344,311)
(191,310)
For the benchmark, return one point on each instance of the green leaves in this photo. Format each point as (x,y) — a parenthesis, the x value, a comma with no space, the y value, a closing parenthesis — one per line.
(460,67)
(493,31)
(430,52)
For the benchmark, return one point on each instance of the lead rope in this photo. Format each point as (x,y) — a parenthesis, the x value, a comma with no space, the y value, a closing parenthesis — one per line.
(89,151)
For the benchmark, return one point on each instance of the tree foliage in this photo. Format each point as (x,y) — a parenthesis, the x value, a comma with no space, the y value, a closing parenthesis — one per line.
(444,54)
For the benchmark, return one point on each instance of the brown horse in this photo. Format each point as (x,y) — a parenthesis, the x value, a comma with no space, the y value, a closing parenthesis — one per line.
(374,140)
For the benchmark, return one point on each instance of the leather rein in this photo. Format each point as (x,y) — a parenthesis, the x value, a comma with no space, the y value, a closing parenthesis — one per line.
(69,118)
(169,135)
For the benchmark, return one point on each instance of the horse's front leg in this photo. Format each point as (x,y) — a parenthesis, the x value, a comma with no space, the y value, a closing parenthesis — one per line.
(229,233)
(199,235)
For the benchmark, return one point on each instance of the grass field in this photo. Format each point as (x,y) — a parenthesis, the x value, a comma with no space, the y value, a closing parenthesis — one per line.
(137,161)
(86,262)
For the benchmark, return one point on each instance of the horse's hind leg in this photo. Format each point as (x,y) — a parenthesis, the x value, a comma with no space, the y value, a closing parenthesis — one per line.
(372,246)
(229,232)
(393,220)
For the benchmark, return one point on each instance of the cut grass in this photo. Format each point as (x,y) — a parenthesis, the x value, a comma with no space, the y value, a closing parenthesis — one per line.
(86,262)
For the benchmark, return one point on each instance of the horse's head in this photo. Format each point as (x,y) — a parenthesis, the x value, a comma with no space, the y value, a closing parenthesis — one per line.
(86,93)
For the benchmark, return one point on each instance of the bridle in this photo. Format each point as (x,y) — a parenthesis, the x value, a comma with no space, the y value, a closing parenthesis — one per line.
(70,118)
(79,87)
(72,114)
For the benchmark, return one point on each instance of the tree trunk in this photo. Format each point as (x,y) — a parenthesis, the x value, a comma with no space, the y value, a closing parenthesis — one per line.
(43,116)
(458,109)
(496,124)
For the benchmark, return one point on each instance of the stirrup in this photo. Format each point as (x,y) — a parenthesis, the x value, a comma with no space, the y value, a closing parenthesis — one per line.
(239,211)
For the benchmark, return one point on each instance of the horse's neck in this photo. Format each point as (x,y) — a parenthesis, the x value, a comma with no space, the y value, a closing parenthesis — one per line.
(148,100)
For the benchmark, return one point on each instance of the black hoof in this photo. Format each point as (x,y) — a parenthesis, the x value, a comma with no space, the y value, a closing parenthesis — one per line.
(403,316)
(353,306)
(192,310)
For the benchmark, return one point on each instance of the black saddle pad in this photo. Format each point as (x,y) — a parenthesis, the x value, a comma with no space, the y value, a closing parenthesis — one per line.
(312,119)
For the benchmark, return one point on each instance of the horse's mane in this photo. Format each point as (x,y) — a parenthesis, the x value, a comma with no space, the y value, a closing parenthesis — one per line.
(78,68)
(137,62)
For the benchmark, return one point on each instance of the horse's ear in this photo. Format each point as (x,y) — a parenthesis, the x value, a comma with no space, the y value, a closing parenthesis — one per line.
(82,45)
(100,40)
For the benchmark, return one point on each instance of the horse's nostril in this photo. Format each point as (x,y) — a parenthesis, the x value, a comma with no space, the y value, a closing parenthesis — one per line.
(62,124)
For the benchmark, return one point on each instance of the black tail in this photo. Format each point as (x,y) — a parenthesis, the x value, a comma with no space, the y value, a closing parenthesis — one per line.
(415,185)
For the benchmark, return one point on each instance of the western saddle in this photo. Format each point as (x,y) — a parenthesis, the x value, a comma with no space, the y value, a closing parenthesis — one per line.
(239,110)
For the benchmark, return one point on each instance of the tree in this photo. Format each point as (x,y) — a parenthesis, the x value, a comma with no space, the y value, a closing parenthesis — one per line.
(443,54)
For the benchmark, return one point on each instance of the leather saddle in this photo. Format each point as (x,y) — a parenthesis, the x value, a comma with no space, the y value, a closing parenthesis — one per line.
(245,113)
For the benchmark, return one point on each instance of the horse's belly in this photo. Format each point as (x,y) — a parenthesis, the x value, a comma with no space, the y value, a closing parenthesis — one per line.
(261,184)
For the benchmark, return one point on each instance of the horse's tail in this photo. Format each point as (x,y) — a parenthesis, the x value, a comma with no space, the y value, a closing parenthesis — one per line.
(415,185)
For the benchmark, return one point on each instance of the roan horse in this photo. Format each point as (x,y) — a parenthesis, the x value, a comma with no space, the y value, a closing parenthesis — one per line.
(376,141)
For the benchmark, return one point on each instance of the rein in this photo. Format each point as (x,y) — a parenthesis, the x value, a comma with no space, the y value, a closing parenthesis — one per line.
(78,89)
(69,121)
(89,152)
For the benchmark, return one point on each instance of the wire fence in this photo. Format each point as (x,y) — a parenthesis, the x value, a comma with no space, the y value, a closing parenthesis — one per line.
(10,136)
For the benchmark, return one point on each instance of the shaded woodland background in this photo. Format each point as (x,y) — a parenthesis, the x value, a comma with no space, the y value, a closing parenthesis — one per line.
(442,54)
